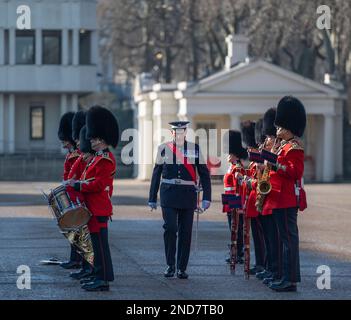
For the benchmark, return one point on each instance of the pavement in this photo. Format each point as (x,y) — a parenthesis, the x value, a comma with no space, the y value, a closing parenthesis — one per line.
(28,234)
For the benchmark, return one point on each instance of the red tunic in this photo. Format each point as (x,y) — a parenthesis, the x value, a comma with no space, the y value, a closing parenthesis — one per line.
(97,184)
(229,181)
(76,173)
(71,158)
(282,195)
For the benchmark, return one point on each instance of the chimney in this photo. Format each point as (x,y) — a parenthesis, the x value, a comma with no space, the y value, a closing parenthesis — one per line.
(237,46)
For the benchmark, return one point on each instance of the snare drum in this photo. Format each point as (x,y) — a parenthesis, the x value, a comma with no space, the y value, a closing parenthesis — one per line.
(70,215)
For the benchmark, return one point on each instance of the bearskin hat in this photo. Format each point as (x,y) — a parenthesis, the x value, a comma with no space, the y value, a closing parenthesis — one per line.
(248,132)
(77,123)
(268,123)
(65,127)
(235,146)
(259,137)
(101,123)
(291,115)
(84,143)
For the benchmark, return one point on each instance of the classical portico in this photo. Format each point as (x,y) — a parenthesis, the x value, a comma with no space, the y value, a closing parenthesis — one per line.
(245,92)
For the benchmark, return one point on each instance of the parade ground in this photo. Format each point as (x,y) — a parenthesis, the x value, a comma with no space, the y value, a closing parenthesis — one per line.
(28,234)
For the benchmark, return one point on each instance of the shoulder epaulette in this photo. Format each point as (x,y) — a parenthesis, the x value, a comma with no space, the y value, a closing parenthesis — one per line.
(295,144)
(105,155)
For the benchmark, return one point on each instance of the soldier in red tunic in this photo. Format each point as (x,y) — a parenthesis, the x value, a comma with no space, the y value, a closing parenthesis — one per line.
(68,142)
(273,271)
(231,186)
(248,132)
(87,154)
(288,196)
(96,185)
(78,121)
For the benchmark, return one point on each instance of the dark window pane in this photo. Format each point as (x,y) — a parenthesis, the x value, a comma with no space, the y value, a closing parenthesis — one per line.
(37,123)
(84,47)
(51,48)
(25,47)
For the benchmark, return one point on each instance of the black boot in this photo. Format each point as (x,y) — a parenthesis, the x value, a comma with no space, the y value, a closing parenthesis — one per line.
(87,280)
(182,275)
(80,274)
(283,286)
(97,285)
(169,273)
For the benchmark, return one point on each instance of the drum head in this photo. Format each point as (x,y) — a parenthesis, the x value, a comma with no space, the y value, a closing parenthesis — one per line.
(74,218)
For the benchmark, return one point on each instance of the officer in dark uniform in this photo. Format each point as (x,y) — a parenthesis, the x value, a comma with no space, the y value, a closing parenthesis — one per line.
(177,162)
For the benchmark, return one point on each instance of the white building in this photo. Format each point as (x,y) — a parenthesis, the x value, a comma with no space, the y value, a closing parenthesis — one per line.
(244,91)
(44,70)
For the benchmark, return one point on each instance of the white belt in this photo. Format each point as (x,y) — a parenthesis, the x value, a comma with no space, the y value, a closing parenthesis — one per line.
(229,189)
(178,182)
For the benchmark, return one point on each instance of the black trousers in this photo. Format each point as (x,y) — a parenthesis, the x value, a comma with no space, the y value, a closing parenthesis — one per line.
(286,220)
(103,268)
(273,245)
(178,224)
(240,238)
(259,242)
(75,256)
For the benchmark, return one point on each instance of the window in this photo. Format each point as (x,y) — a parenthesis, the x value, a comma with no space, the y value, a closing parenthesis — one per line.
(37,123)
(51,47)
(84,47)
(25,47)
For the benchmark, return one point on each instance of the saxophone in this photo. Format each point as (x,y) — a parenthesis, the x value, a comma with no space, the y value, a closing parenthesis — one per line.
(264,187)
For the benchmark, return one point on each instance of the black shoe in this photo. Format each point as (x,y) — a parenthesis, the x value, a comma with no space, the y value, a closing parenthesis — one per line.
(96,285)
(170,271)
(70,265)
(256,269)
(80,274)
(182,275)
(269,280)
(227,260)
(263,274)
(283,286)
(87,279)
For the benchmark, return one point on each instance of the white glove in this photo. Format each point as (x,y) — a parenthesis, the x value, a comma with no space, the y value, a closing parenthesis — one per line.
(205,204)
(152,205)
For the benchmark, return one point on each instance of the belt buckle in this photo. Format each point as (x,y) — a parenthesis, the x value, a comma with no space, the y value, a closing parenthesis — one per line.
(177,181)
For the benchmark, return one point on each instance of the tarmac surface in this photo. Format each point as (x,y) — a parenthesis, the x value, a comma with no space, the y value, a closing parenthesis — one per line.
(28,234)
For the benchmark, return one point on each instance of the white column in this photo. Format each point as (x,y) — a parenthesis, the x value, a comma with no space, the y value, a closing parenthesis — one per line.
(235,121)
(94,54)
(63,104)
(11,123)
(12,46)
(2,46)
(328,149)
(145,139)
(339,139)
(2,142)
(75,46)
(64,47)
(38,47)
(74,102)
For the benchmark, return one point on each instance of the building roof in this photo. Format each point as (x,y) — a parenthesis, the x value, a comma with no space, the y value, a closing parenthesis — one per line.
(258,77)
